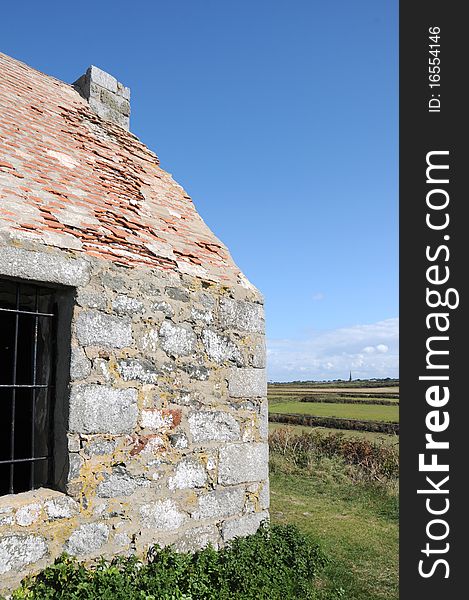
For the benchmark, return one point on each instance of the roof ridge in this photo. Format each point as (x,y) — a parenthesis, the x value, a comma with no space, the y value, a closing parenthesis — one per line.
(30,68)
(71,180)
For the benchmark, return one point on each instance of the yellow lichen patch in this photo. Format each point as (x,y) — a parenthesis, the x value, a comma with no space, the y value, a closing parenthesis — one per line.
(191,500)
(59,531)
(165,398)
(90,478)
(253,499)
(113,367)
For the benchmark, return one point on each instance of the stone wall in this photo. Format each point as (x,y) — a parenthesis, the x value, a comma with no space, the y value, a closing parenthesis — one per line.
(167,414)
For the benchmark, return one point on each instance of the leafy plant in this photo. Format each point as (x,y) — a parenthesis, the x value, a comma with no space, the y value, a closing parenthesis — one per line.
(276,563)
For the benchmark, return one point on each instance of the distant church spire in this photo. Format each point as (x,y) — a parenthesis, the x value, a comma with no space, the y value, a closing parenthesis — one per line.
(350,378)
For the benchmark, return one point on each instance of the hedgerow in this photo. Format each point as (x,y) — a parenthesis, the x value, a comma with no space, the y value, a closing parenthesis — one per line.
(334,422)
(371,461)
(276,563)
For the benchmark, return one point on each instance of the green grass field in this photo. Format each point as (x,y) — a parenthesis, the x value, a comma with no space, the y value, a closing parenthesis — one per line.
(330,397)
(355,522)
(350,511)
(356,525)
(364,412)
(289,388)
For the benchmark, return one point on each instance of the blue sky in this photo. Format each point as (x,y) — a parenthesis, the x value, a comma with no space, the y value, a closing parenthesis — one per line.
(280,120)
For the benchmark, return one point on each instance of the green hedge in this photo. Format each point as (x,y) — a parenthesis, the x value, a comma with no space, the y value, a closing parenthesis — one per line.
(376,461)
(334,423)
(276,563)
(344,399)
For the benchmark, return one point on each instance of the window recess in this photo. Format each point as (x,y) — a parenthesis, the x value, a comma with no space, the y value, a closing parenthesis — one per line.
(28,347)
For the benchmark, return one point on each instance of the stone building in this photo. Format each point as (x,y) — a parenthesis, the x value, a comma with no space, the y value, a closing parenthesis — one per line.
(132,359)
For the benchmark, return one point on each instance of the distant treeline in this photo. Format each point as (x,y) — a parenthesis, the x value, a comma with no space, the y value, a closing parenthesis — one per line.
(342,383)
(335,423)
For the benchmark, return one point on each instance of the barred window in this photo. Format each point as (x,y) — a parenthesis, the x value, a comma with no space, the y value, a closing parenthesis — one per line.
(28,348)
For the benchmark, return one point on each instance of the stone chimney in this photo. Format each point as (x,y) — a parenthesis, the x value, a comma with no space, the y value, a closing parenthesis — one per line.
(106,96)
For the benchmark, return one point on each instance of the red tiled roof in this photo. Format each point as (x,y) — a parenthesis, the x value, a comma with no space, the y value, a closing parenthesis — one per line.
(71,180)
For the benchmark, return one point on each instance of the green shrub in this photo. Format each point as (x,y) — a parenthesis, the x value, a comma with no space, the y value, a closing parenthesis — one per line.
(276,563)
(371,461)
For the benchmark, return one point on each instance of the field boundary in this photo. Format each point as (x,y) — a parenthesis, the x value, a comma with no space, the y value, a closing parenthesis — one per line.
(335,423)
(364,394)
(345,400)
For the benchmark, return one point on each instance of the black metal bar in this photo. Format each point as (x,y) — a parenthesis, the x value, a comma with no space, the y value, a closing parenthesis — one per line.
(26,312)
(27,386)
(13,393)
(51,398)
(21,460)
(16,482)
(33,391)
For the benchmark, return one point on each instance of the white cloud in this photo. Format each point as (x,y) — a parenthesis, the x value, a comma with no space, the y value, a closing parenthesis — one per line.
(367,350)
(318,296)
(382,348)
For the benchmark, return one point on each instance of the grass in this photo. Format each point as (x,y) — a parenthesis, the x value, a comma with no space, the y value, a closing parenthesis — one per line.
(356,523)
(372,436)
(330,398)
(357,528)
(364,412)
(288,388)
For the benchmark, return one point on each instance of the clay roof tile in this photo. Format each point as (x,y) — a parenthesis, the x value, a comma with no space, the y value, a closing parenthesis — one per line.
(85,177)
